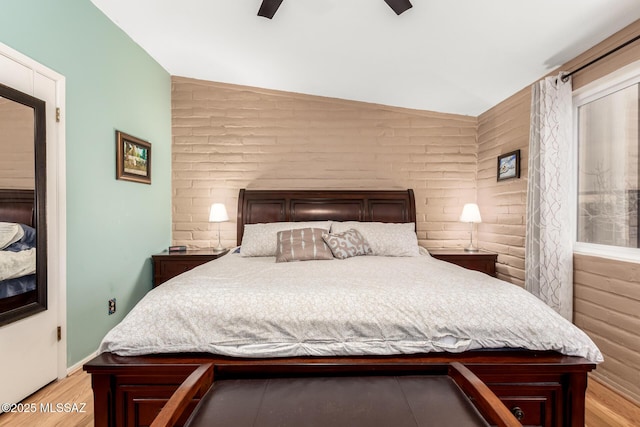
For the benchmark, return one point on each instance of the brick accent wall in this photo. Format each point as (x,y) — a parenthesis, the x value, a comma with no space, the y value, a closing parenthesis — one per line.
(502,129)
(606,306)
(228,137)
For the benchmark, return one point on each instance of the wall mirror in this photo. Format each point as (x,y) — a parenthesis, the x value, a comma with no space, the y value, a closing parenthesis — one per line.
(23,222)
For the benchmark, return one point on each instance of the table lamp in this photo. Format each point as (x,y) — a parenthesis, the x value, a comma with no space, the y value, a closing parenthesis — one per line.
(470,214)
(218,214)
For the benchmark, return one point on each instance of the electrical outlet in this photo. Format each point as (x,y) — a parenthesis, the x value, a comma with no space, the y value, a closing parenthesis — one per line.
(112,306)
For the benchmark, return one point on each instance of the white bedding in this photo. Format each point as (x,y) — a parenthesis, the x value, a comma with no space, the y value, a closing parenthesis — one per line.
(367,305)
(17,264)
(10,232)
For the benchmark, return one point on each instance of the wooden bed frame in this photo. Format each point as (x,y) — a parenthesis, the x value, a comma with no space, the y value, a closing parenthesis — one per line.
(17,206)
(540,388)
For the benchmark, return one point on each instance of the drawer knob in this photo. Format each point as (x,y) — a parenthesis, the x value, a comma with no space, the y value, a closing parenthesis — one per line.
(517,412)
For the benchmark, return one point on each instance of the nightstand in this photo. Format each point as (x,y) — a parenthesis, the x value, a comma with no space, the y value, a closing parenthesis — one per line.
(480,261)
(169,264)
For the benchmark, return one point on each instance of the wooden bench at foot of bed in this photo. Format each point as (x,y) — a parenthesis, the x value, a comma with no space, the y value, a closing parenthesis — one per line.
(304,395)
(540,388)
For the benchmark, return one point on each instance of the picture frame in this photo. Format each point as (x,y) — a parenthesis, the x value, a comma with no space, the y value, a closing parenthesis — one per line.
(133,158)
(509,165)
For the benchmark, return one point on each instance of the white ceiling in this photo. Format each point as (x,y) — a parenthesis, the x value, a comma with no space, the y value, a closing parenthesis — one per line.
(454,56)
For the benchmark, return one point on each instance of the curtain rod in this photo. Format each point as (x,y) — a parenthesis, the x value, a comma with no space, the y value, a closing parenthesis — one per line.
(565,77)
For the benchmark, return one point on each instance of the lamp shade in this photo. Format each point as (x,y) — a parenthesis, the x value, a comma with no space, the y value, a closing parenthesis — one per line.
(218,213)
(470,213)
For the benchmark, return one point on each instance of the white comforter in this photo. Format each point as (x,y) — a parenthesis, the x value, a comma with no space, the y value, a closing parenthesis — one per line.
(17,264)
(254,307)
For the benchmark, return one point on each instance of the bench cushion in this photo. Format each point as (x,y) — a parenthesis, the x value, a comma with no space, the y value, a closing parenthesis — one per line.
(371,401)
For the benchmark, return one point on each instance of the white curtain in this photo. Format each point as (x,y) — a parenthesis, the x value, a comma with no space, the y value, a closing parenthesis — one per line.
(549,252)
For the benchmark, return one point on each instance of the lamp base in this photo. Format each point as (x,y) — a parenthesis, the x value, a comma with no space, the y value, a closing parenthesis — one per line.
(218,249)
(471,249)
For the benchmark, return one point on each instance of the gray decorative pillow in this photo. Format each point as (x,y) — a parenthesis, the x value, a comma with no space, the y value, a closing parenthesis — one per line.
(302,244)
(385,239)
(347,244)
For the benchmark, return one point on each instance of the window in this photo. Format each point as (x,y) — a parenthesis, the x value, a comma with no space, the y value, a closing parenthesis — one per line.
(608,179)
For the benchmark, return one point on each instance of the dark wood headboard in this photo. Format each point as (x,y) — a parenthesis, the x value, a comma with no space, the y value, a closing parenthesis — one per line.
(17,206)
(260,206)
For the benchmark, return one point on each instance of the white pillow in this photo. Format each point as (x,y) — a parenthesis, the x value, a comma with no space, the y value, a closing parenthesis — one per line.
(385,239)
(10,233)
(261,239)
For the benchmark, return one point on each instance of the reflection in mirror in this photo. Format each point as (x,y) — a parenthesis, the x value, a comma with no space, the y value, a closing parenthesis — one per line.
(22,195)
(17,151)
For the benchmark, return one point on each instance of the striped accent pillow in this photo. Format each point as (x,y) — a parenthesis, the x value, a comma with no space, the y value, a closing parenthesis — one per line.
(302,244)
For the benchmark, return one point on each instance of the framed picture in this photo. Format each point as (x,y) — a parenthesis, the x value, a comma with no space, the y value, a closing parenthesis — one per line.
(509,165)
(133,158)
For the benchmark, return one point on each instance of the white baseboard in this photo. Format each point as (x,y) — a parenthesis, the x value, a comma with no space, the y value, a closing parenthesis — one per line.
(72,369)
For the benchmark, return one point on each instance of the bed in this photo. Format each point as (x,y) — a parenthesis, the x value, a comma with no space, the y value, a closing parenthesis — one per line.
(17,257)
(543,383)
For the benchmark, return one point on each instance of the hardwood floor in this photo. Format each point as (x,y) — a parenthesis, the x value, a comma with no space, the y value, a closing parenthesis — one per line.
(75,389)
(605,408)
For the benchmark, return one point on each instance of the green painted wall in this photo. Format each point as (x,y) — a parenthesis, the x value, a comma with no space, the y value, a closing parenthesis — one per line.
(113,226)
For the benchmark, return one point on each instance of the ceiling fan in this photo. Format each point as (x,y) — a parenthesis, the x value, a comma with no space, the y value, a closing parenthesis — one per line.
(268,8)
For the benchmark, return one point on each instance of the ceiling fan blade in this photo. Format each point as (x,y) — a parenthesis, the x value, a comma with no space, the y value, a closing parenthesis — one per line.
(399,6)
(268,8)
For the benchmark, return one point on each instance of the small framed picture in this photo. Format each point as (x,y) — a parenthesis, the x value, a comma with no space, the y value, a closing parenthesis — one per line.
(133,158)
(509,165)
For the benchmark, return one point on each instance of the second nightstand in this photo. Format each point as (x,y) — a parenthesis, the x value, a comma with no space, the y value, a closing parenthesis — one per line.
(480,261)
(169,264)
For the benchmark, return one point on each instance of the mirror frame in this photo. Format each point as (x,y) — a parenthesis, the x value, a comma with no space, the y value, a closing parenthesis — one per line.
(30,307)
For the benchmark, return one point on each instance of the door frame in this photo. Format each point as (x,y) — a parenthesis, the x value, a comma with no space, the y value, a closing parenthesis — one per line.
(56,195)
